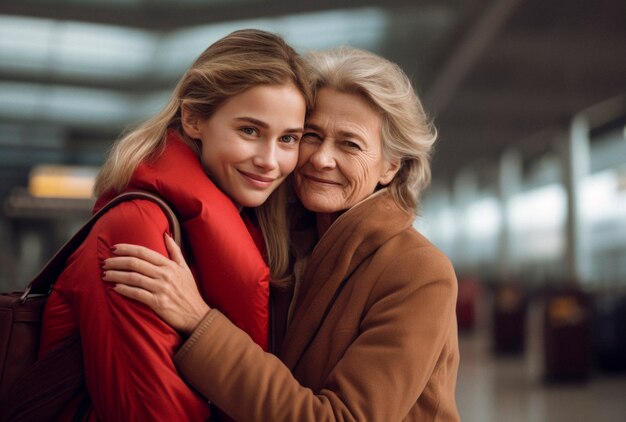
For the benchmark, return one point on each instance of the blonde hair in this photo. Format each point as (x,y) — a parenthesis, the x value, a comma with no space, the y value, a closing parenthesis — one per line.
(241,60)
(407,134)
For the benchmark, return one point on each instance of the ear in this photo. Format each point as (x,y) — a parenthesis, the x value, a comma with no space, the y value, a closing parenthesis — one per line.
(391,168)
(190,123)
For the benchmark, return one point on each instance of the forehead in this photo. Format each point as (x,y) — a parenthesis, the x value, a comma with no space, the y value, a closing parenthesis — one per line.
(340,111)
(282,104)
(261,95)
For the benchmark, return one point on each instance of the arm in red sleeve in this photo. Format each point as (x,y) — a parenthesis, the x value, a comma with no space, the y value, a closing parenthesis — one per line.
(127,349)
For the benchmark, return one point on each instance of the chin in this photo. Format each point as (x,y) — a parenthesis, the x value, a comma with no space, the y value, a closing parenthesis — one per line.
(318,206)
(251,202)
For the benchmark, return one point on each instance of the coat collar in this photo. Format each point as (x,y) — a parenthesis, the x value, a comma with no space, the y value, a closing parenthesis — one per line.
(351,239)
(176,174)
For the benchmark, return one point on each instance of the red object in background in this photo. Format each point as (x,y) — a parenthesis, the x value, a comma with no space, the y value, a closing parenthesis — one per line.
(469,292)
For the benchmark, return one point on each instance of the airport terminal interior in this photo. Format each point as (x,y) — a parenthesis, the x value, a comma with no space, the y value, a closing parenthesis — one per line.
(528,197)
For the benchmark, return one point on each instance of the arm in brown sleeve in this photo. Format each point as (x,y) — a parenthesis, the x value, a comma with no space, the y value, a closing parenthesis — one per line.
(380,377)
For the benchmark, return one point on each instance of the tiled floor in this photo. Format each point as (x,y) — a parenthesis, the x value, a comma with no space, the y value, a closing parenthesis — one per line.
(510,389)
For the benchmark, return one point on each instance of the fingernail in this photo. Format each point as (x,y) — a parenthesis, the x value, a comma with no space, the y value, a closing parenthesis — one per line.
(113,249)
(104,274)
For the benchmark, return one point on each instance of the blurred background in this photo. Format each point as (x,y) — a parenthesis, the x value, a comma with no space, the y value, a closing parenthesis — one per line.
(529,190)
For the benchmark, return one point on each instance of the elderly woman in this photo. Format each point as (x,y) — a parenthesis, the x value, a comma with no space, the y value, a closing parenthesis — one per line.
(371,330)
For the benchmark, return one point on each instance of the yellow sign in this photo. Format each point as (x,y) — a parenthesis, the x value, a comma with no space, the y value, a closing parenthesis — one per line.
(62,181)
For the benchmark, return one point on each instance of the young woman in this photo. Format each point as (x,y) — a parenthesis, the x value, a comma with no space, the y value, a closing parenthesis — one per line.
(224,143)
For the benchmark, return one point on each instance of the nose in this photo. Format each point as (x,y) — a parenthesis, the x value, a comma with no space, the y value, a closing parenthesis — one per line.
(322,158)
(265,156)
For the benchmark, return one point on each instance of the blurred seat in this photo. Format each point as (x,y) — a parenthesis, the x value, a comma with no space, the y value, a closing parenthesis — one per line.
(609,331)
(509,311)
(567,334)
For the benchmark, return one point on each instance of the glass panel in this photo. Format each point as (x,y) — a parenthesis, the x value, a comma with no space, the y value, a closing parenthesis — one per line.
(603,211)
(537,219)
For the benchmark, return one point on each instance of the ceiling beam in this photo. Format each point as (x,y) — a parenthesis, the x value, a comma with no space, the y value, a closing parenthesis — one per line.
(469,50)
(162,15)
(555,45)
(510,104)
(146,84)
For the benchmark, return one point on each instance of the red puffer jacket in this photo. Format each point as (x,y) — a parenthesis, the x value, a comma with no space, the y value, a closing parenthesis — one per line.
(128,349)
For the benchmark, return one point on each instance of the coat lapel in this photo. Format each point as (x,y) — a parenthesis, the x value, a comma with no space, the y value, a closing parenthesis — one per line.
(353,237)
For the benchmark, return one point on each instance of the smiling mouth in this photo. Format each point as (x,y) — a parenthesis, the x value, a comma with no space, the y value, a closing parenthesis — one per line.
(257,180)
(318,180)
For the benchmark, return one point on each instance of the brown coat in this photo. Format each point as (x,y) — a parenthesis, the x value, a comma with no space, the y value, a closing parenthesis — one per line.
(373,335)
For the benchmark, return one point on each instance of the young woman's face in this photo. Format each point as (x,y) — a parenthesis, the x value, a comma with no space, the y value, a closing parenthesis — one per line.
(341,153)
(250,144)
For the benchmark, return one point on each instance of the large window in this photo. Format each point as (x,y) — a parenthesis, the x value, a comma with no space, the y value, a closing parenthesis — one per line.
(603,203)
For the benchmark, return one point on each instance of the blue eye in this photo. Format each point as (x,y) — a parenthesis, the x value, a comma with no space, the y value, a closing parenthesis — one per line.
(289,139)
(249,131)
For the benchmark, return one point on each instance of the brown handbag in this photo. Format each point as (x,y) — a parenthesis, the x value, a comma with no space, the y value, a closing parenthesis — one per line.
(32,389)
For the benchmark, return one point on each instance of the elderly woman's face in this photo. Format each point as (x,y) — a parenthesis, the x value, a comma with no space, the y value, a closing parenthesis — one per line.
(341,158)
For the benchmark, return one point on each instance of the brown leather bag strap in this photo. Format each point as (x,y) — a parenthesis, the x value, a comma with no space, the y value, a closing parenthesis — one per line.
(45,279)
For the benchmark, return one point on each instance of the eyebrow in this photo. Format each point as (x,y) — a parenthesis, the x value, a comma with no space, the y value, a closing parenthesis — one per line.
(312,127)
(264,125)
(342,133)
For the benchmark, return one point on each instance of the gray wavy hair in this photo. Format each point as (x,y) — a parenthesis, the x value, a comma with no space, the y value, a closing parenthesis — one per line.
(407,133)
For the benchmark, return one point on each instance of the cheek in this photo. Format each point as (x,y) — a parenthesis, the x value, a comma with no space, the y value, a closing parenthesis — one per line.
(358,171)
(290,160)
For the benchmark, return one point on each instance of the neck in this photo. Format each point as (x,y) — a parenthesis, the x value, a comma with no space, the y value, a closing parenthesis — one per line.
(324,221)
